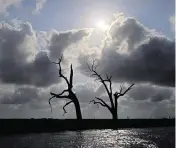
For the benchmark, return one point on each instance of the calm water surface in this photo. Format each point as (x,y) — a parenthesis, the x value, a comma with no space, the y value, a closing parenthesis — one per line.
(127,138)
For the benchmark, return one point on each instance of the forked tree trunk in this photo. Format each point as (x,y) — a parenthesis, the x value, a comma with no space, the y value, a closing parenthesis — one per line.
(71,95)
(108,87)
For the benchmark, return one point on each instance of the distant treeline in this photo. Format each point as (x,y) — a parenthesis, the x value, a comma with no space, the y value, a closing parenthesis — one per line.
(10,126)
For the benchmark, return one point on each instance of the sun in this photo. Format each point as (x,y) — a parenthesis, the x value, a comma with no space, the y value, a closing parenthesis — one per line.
(101,25)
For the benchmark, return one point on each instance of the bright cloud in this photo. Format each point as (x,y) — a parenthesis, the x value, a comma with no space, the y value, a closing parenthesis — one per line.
(39,6)
(172,22)
(5,4)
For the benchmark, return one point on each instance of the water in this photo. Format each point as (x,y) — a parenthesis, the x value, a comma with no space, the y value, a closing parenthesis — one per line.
(127,138)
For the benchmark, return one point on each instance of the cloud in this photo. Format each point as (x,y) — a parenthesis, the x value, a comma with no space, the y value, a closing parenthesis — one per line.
(27,96)
(24,53)
(130,53)
(39,6)
(133,53)
(21,95)
(59,41)
(5,4)
(146,109)
(134,105)
(172,22)
(20,61)
(88,92)
(151,92)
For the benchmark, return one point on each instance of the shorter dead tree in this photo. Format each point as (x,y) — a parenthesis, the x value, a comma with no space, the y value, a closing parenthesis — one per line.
(71,95)
(113,107)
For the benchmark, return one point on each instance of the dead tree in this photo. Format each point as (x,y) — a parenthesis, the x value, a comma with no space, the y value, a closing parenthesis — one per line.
(71,95)
(113,107)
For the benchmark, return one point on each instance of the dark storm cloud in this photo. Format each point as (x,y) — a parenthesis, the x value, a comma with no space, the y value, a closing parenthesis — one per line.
(21,95)
(20,62)
(146,109)
(151,62)
(42,71)
(61,40)
(134,53)
(26,96)
(151,93)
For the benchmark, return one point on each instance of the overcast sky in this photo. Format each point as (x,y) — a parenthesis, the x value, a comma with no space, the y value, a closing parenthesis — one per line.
(133,41)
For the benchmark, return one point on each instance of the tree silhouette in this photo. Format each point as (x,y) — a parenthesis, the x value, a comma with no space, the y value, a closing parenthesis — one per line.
(71,95)
(113,108)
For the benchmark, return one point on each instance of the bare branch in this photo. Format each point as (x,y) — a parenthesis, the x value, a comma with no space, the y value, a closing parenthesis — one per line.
(50,102)
(58,95)
(96,67)
(120,89)
(96,102)
(101,102)
(88,67)
(71,95)
(107,77)
(118,94)
(127,90)
(98,77)
(66,90)
(55,62)
(65,106)
(60,70)
(110,85)
(71,76)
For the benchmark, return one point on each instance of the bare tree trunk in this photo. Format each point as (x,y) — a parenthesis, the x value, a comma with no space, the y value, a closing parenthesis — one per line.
(71,95)
(114,114)
(105,81)
(78,109)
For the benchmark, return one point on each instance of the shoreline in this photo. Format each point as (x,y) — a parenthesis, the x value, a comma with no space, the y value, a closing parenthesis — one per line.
(18,126)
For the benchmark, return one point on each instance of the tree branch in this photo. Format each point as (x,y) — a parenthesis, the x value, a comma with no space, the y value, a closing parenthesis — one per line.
(49,101)
(60,71)
(58,95)
(98,77)
(66,90)
(71,76)
(65,106)
(119,94)
(127,89)
(110,83)
(71,95)
(101,102)
(96,102)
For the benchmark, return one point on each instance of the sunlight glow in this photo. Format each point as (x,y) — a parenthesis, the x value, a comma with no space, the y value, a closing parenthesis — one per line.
(102,25)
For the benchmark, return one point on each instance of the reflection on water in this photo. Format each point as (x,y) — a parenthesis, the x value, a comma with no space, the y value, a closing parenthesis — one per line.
(127,138)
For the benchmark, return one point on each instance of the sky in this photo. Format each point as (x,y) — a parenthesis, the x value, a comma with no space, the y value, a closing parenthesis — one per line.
(132,41)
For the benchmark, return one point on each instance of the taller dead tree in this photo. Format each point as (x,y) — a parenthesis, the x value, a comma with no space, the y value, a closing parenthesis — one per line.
(113,98)
(71,96)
